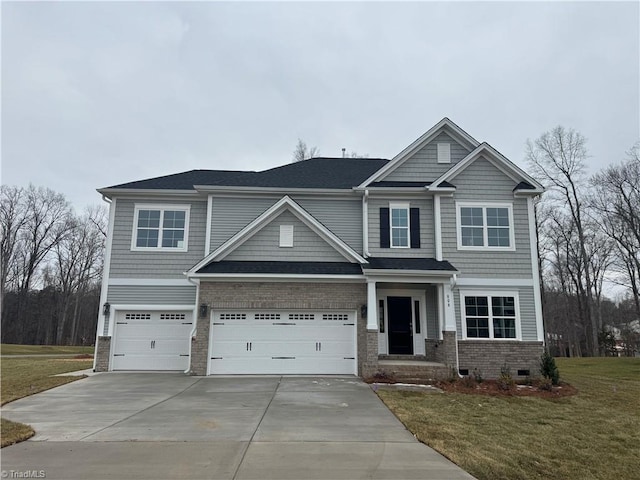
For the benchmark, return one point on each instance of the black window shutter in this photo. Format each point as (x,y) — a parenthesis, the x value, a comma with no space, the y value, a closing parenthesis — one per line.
(385,234)
(414,219)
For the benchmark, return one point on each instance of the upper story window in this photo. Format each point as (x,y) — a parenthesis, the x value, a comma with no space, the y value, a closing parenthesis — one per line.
(485,226)
(399,225)
(492,316)
(160,227)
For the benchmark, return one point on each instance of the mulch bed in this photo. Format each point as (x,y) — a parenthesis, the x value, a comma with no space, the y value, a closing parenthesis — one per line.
(491,388)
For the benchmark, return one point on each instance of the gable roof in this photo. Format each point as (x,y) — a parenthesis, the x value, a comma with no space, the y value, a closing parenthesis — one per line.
(443,125)
(525,183)
(321,172)
(284,204)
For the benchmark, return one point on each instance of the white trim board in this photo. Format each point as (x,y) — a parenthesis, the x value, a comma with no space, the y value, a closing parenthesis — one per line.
(494,282)
(154,282)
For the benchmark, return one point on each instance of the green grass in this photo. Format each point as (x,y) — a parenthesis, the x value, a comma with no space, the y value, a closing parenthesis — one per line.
(22,377)
(592,435)
(11,349)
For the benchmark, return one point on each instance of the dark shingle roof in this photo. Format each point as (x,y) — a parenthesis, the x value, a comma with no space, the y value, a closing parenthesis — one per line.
(296,268)
(386,263)
(312,173)
(524,186)
(391,183)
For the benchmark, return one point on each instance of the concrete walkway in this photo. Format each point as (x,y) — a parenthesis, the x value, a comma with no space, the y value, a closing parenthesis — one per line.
(161,426)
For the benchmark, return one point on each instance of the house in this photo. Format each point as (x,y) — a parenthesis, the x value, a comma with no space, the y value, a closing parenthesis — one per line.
(327,266)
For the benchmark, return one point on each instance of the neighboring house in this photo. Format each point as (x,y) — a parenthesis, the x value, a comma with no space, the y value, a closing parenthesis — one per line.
(327,266)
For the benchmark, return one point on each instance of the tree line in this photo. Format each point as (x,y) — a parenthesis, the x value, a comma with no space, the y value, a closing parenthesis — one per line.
(588,237)
(50,267)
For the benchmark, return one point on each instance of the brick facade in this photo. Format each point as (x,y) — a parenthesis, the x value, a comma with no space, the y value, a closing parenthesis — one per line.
(286,296)
(490,356)
(102,354)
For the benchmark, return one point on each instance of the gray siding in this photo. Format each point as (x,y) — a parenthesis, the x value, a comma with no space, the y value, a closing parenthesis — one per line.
(431,293)
(479,182)
(152,295)
(265,245)
(343,217)
(129,264)
(427,245)
(527,309)
(423,165)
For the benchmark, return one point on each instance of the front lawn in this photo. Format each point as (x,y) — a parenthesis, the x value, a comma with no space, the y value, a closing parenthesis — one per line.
(25,376)
(12,349)
(594,434)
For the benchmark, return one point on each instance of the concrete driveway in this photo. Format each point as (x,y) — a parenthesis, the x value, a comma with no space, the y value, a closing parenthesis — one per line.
(163,425)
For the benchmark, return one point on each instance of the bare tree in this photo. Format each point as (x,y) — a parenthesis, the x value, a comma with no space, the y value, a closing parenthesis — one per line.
(12,219)
(616,199)
(302,152)
(557,159)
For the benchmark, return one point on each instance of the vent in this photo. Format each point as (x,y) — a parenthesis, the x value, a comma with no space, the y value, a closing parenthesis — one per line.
(464,371)
(523,373)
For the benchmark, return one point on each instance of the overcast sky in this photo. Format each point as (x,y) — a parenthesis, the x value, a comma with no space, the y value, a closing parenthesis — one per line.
(95,94)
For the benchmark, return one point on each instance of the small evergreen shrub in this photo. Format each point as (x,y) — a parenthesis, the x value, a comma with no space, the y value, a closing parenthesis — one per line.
(477,375)
(545,384)
(548,368)
(505,381)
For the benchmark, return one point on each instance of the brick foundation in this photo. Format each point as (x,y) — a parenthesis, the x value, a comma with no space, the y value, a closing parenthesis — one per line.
(442,351)
(289,296)
(490,356)
(102,354)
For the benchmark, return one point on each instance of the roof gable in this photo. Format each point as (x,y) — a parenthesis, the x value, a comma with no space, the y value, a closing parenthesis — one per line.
(282,205)
(444,125)
(523,180)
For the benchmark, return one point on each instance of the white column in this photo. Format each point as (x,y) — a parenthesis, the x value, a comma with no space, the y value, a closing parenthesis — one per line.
(372,309)
(449,309)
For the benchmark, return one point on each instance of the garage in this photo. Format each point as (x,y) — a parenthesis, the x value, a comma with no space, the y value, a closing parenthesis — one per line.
(283,342)
(152,340)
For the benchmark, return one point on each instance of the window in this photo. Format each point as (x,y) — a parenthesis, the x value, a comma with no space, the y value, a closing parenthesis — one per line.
(485,227)
(490,316)
(160,227)
(399,226)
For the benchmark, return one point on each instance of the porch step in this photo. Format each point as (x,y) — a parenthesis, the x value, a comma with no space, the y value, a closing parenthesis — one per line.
(413,371)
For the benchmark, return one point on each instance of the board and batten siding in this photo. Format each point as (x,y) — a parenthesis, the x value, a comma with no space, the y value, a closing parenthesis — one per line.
(265,244)
(423,165)
(527,308)
(343,217)
(482,182)
(152,295)
(427,245)
(126,263)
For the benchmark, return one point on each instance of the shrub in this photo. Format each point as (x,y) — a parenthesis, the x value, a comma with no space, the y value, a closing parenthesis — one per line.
(477,375)
(468,382)
(548,368)
(545,384)
(505,381)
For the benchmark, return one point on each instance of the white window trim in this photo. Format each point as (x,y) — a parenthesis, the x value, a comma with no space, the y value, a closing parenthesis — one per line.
(162,207)
(489,294)
(485,227)
(398,206)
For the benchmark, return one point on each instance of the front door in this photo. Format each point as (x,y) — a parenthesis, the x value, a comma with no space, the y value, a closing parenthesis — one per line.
(400,326)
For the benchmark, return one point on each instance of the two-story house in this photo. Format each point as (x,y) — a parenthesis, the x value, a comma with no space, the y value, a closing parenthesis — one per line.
(327,266)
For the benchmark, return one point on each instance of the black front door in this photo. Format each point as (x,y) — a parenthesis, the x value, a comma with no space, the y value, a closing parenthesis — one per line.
(400,326)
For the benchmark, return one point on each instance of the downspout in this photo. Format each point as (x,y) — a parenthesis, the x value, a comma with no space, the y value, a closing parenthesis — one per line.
(365,223)
(454,281)
(192,334)
(105,276)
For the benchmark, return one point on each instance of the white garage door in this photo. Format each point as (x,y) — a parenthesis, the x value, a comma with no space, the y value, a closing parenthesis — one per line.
(283,342)
(152,340)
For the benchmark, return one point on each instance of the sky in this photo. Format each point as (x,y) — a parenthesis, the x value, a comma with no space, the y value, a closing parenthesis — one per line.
(96,94)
